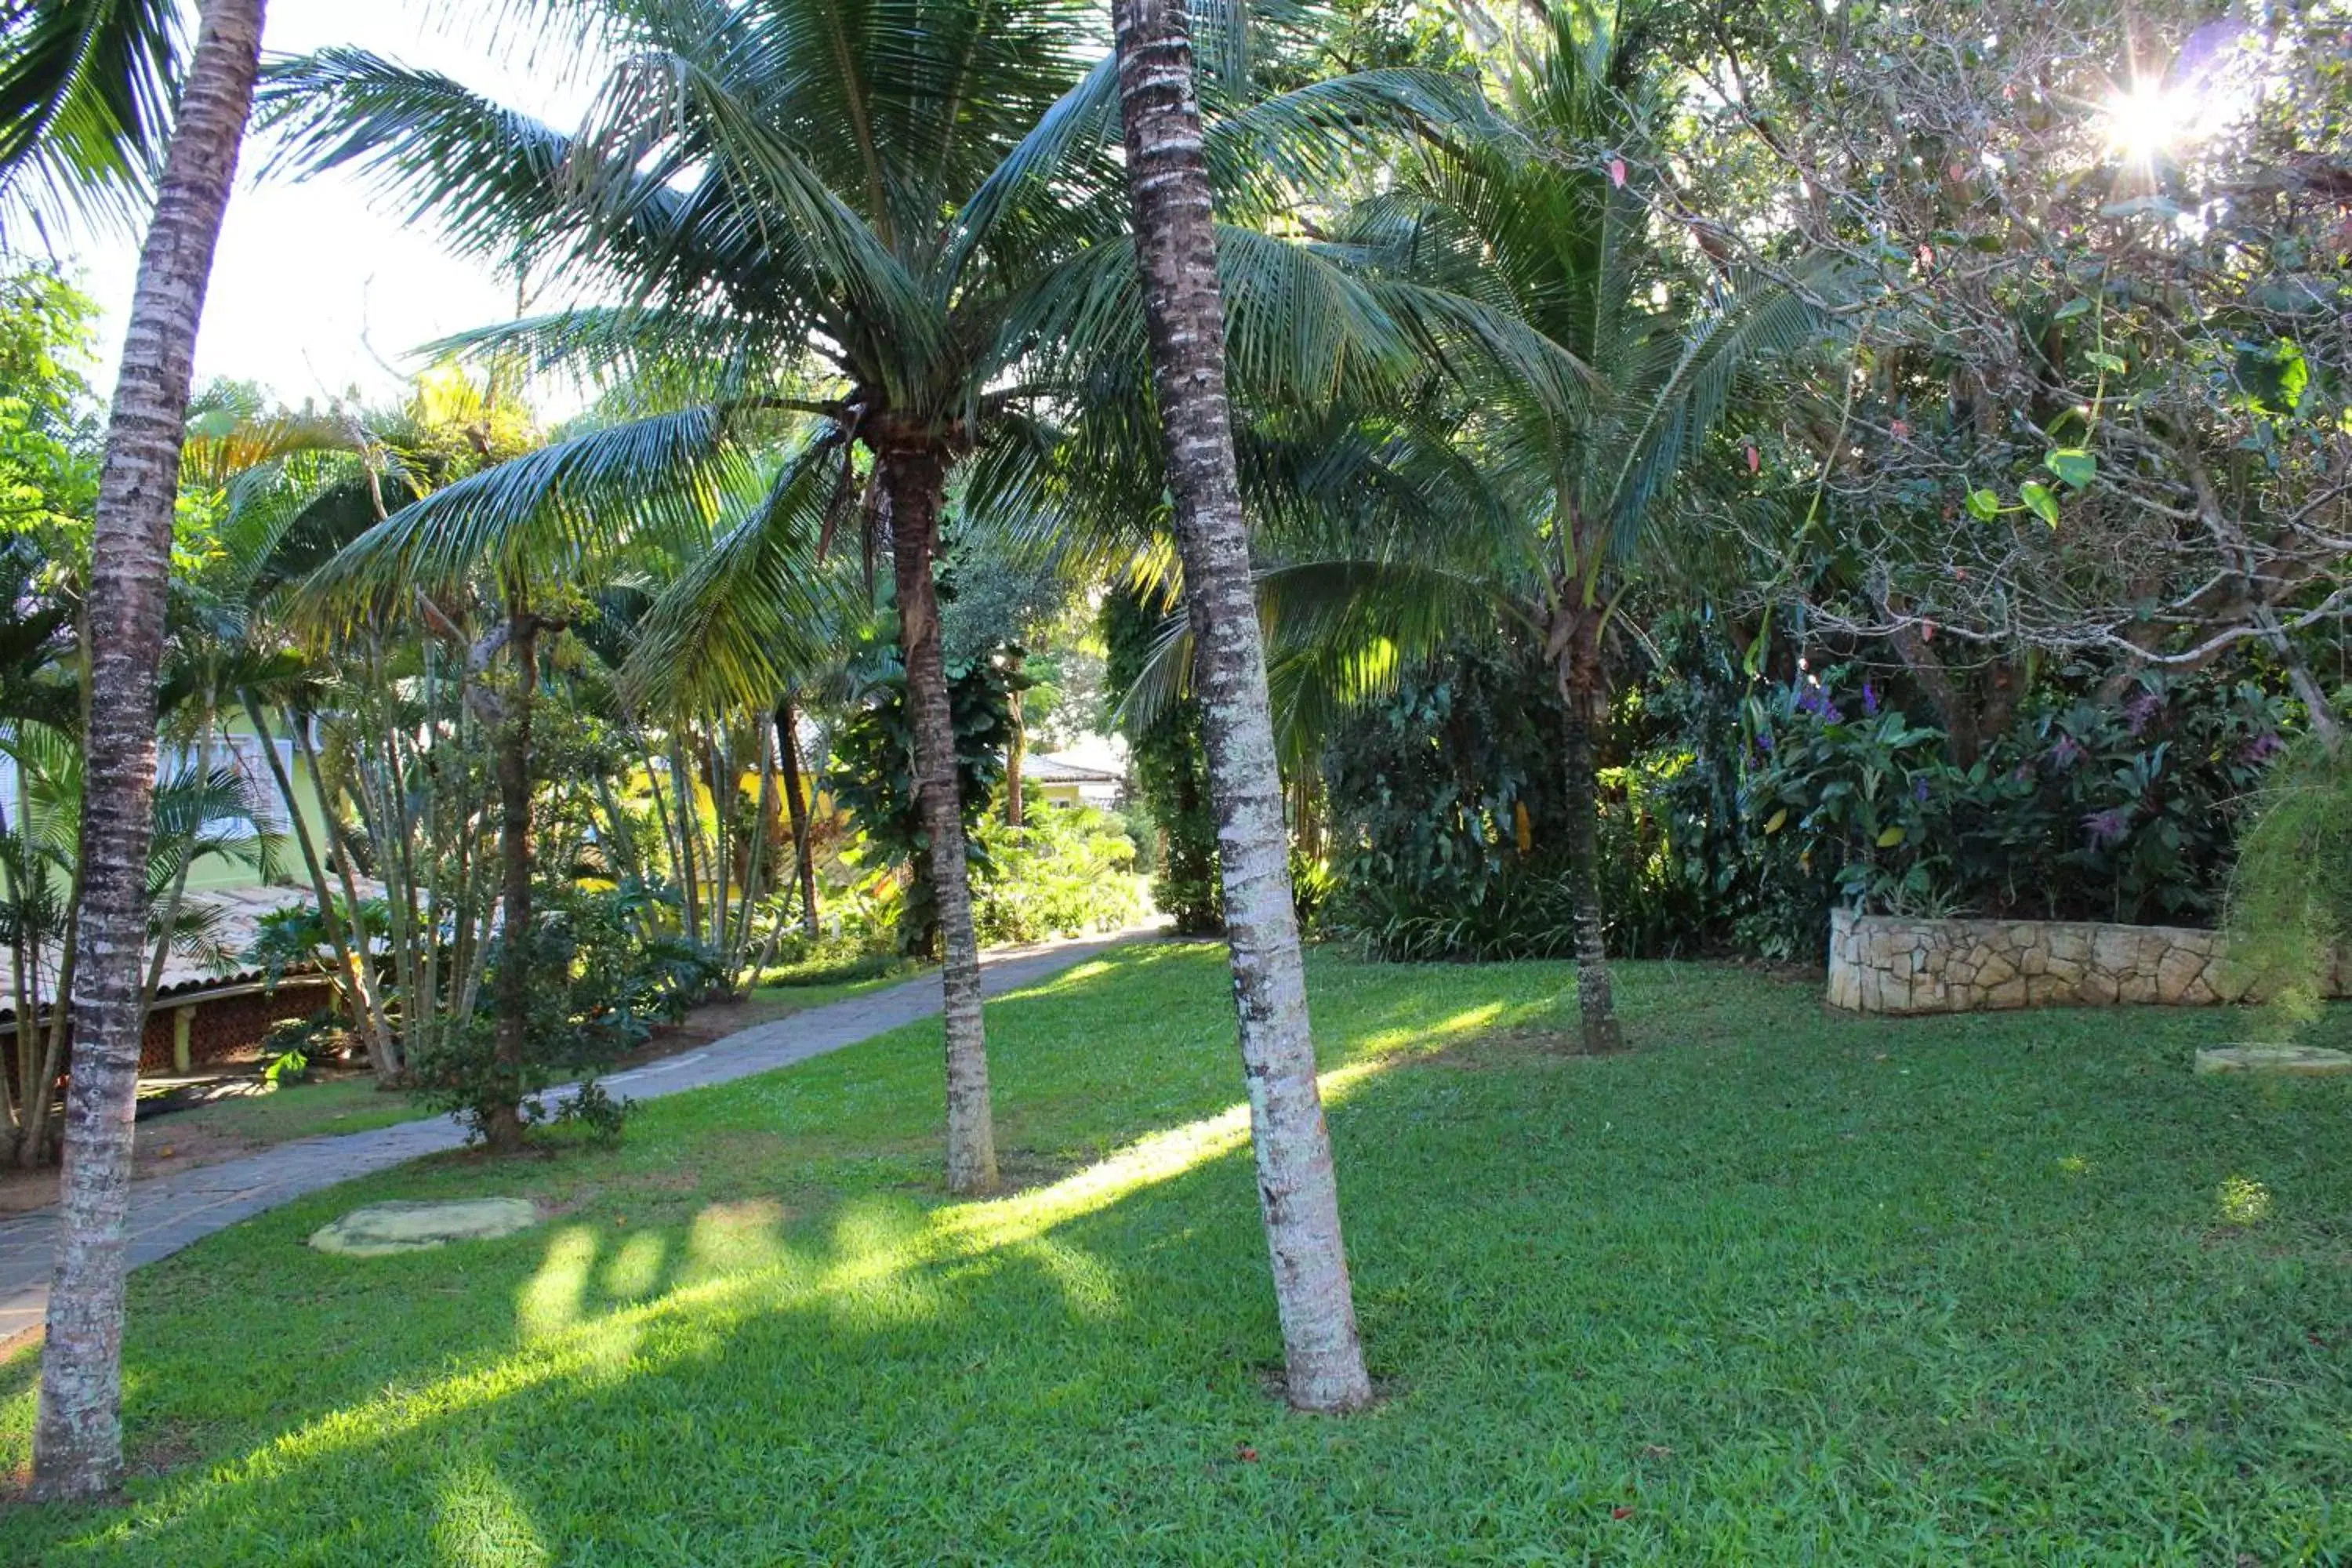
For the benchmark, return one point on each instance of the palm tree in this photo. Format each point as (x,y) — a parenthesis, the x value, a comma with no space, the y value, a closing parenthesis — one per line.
(1530,509)
(78,1439)
(881,224)
(1175,244)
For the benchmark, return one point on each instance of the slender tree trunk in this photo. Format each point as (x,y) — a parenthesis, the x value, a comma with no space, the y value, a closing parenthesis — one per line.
(1582,688)
(915,479)
(1016,753)
(78,1441)
(788,750)
(1168,184)
(504,1130)
(389,1064)
(176,899)
(33,1149)
(349,942)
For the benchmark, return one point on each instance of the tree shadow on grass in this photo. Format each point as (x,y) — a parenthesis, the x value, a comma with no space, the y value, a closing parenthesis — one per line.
(1666,1310)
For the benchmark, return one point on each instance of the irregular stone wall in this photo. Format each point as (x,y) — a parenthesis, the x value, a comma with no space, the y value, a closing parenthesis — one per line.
(1883,963)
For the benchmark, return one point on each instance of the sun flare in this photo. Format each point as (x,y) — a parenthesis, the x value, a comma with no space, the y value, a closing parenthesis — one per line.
(2146,121)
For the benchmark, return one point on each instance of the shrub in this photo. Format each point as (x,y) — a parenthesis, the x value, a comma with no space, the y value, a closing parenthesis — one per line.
(2118,810)
(2289,901)
(597,983)
(1449,831)
(1172,774)
(1067,873)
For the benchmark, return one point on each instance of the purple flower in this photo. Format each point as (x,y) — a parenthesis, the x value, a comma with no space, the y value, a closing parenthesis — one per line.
(2109,827)
(1919,787)
(1869,700)
(2141,710)
(2262,749)
(2067,753)
(2023,772)
(1764,741)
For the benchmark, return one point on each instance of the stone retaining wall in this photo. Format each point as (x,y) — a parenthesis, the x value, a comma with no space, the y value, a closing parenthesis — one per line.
(1884,963)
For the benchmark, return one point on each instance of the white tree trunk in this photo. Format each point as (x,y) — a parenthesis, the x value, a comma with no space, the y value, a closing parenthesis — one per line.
(77,1440)
(1168,184)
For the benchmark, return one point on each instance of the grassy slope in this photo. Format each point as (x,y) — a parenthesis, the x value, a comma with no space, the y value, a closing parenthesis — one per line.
(298,1110)
(355,1104)
(1777,1288)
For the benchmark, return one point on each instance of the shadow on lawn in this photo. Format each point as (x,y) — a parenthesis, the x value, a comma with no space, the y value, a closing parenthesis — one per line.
(1737,1283)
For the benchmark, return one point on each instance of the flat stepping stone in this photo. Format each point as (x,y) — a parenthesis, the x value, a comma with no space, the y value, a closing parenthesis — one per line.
(2293,1062)
(381,1229)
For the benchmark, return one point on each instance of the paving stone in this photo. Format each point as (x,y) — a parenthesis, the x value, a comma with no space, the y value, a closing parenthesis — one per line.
(380,1230)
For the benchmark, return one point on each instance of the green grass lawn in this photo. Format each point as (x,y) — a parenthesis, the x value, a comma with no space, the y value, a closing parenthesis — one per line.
(1775,1288)
(350,1104)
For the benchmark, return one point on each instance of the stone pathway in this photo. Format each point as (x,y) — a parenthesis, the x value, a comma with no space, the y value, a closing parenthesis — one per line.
(168,1213)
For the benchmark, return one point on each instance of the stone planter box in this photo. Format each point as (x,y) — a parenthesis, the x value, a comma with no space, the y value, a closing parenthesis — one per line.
(1884,963)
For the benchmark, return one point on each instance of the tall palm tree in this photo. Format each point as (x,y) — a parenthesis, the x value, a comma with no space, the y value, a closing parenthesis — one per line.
(881,222)
(1547,502)
(1175,247)
(78,1439)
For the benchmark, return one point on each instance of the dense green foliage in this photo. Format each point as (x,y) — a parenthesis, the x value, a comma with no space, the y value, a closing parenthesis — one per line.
(874,780)
(1776,1287)
(2290,908)
(597,986)
(1171,770)
(1737,809)
(1066,873)
(1446,813)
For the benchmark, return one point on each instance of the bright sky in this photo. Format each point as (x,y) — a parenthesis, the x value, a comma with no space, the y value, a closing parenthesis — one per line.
(318,289)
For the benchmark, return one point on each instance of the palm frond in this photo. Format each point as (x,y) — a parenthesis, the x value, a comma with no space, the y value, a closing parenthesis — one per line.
(661,480)
(86,94)
(756,612)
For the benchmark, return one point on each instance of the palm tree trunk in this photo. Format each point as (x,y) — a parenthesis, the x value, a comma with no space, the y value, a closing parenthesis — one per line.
(78,1441)
(504,1129)
(1168,184)
(788,749)
(1580,687)
(915,478)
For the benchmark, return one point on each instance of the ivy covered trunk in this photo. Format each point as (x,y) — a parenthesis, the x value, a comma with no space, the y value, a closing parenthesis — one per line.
(788,753)
(78,1439)
(914,480)
(1168,184)
(1016,752)
(503,1129)
(1583,690)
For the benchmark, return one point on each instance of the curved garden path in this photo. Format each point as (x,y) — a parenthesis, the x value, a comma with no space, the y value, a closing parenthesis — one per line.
(168,1213)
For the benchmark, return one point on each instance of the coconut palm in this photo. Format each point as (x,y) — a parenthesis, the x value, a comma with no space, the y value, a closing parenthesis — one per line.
(1175,244)
(905,227)
(1524,510)
(80,104)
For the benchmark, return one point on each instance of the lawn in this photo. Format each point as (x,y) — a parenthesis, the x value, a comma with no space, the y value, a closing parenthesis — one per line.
(1774,1288)
(349,1101)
